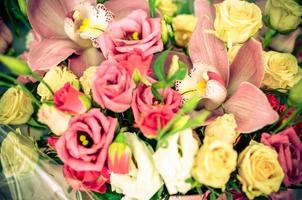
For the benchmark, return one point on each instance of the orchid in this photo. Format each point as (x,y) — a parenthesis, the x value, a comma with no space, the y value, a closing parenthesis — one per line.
(225,88)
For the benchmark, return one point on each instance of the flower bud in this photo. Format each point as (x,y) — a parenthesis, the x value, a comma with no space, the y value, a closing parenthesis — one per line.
(86,79)
(166,7)
(174,66)
(295,94)
(119,158)
(16,65)
(164,31)
(183,26)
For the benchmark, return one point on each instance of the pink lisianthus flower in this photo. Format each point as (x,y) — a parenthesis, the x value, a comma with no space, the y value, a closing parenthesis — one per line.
(70,100)
(119,158)
(112,87)
(289,148)
(87,180)
(283,195)
(275,103)
(136,31)
(135,60)
(84,146)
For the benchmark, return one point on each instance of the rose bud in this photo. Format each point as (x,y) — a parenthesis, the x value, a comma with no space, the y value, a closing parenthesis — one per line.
(70,100)
(119,157)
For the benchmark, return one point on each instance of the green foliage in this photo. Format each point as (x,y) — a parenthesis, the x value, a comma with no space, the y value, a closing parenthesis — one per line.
(109,195)
(152,8)
(185,6)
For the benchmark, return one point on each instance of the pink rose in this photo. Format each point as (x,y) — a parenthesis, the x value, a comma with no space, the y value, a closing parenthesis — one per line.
(87,180)
(136,31)
(135,60)
(84,146)
(112,87)
(70,100)
(144,101)
(289,148)
(154,120)
(275,103)
(283,195)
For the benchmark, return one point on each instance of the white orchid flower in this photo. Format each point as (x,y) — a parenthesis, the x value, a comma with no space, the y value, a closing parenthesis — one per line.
(175,162)
(143,180)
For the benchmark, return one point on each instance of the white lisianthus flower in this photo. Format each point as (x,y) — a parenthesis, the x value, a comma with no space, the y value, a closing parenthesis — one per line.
(143,180)
(176,161)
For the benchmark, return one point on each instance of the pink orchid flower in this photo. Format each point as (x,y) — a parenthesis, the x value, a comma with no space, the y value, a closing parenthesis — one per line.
(68,28)
(225,88)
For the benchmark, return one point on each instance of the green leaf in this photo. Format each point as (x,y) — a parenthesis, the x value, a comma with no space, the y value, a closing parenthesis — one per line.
(180,74)
(152,8)
(229,196)
(16,65)
(185,6)
(156,94)
(234,186)
(101,1)
(159,66)
(32,122)
(212,196)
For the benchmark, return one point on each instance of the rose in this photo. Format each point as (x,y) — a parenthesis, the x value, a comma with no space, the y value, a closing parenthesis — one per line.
(259,170)
(87,180)
(70,100)
(283,15)
(153,121)
(6,36)
(136,31)
(84,146)
(144,101)
(15,107)
(236,21)
(143,180)
(223,128)
(56,77)
(275,103)
(215,162)
(181,150)
(289,148)
(86,79)
(112,87)
(19,155)
(135,63)
(55,119)
(166,7)
(281,70)
(119,157)
(285,43)
(183,26)
(283,195)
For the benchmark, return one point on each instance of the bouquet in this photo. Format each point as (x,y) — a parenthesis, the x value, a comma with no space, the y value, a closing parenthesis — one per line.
(158,99)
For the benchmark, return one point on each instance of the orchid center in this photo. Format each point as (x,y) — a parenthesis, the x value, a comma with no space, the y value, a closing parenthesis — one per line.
(201,87)
(84,139)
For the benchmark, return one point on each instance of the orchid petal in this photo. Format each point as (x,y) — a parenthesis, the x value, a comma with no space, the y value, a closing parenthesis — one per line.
(122,9)
(251,108)
(215,95)
(49,52)
(248,66)
(204,47)
(79,63)
(47,17)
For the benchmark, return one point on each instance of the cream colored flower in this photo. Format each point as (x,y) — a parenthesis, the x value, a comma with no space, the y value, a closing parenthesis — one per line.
(175,161)
(15,107)
(236,21)
(183,26)
(283,15)
(86,79)
(259,170)
(18,155)
(55,119)
(166,7)
(56,78)
(143,180)
(281,70)
(215,162)
(223,128)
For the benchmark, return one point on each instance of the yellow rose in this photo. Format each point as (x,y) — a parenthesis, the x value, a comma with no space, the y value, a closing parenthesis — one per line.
(18,154)
(259,170)
(236,21)
(183,26)
(56,78)
(283,15)
(223,128)
(215,162)
(15,107)
(281,70)
(86,79)
(166,7)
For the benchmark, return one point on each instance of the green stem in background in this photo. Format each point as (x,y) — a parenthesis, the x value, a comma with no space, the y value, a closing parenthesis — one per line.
(288,120)
(38,78)
(269,35)
(6,84)
(152,8)
(284,113)
(13,80)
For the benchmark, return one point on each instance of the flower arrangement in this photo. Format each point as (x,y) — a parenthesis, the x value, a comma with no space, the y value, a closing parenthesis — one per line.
(158,99)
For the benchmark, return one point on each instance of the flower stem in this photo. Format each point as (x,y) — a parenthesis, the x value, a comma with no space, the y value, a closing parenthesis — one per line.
(288,120)
(269,35)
